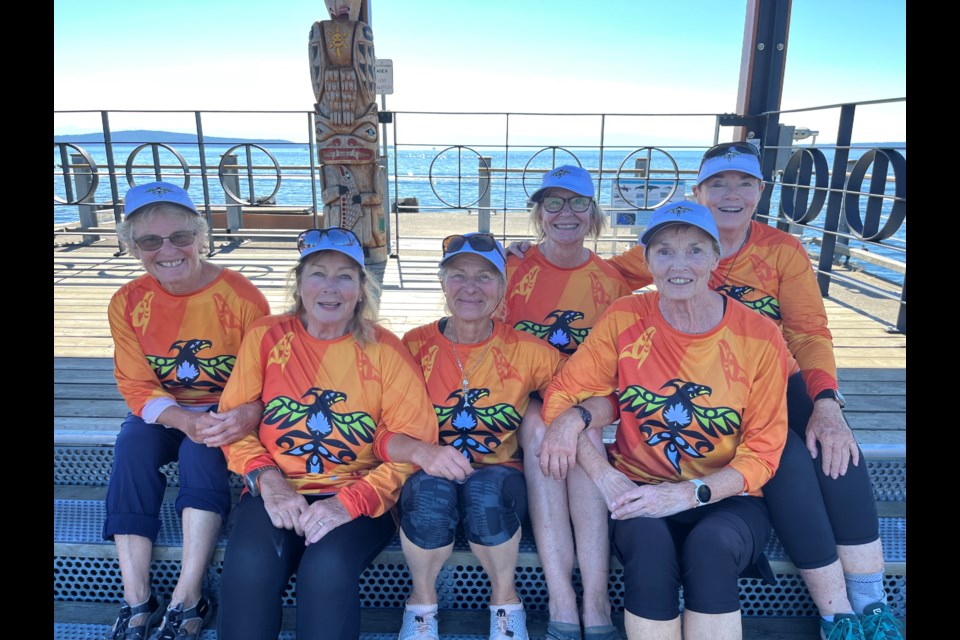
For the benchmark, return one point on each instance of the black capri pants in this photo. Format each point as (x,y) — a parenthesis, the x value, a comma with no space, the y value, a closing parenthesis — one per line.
(704,550)
(491,503)
(260,558)
(811,512)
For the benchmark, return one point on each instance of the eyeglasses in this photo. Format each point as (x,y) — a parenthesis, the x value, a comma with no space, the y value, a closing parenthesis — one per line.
(553,204)
(177,238)
(337,236)
(478,242)
(724,148)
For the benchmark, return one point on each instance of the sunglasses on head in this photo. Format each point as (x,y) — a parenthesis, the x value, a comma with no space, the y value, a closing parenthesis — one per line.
(177,238)
(478,242)
(553,204)
(724,148)
(335,235)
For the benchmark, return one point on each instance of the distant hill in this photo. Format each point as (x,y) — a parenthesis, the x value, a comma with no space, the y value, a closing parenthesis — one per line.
(140,136)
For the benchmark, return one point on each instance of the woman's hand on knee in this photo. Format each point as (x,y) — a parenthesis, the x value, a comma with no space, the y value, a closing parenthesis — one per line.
(322,517)
(446,462)
(283,504)
(838,446)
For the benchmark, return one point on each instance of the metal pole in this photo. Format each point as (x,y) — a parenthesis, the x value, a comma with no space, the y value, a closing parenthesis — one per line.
(483,184)
(835,200)
(83,176)
(385,174)
(231,182)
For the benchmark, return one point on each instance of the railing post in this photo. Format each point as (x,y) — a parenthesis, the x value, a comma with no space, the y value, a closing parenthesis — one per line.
(483,184)
(834,202)
(231,179)
(83,178)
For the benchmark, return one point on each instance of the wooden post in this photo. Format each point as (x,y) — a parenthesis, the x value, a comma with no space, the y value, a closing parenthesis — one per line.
(232,179)
(83,179)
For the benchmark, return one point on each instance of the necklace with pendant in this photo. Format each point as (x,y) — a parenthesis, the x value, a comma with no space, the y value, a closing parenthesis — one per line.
(465,375)
(736,257)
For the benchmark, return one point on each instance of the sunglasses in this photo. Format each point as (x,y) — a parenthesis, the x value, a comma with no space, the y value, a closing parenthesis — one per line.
(724,148)
(553,204)
(177,238)
(478,242)
(337,236)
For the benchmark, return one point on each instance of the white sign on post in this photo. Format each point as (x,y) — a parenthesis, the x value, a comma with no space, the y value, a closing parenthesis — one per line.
(384,76)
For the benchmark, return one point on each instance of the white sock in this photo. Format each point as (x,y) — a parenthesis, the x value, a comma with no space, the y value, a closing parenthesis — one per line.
(514,606)
(864,589)
(423,609)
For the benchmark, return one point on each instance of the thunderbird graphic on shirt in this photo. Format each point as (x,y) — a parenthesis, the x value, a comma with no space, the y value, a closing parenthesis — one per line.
(678,413)
(187,367)
(557,333)
(328,436)
(470,428)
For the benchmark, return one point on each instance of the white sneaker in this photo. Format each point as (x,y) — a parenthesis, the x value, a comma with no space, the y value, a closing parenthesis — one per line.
(508,624)
(419,626)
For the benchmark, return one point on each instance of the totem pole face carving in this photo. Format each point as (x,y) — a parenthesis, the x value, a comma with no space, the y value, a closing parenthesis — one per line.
(354,147)
(344,9)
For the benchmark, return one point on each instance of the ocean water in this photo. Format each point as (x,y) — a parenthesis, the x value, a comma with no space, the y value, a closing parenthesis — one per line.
(440,179)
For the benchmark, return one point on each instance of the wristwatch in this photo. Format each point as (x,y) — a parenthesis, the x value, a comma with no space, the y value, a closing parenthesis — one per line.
(585,415)
(833,394)
(252,479)
(702,492)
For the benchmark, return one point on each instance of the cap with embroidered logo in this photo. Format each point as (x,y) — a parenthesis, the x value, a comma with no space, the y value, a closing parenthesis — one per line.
(156,192)
(684,212)
(569,177)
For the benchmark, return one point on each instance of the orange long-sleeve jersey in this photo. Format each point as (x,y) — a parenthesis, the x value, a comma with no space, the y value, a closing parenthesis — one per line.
(501,372)
(330,407)
(556,304)
(772,275)
(690,404)
(179,349)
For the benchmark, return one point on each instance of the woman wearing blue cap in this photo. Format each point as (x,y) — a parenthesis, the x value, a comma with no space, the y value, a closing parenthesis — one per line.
(176,332)
(479,374)
(701,386)
(557,294)
(821,500)
(342,401)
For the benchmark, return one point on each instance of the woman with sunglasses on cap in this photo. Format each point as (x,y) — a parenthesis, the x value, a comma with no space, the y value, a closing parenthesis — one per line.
(821,500)
(701,385)
(342,398)
(557,294)
(479,374)
(177,330)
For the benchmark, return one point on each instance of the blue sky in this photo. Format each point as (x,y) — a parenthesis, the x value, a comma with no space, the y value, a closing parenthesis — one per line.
(618,56)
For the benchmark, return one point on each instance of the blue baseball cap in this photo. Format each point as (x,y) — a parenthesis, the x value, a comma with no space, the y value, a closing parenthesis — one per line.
(683,212)
(737,156)
(153,192)
(336,239)
(481,244)
(570,177)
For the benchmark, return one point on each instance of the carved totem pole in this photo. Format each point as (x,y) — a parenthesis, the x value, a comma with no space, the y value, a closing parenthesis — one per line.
(343,71)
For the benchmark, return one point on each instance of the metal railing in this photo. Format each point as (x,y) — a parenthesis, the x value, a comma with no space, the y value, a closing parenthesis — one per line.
(846,201)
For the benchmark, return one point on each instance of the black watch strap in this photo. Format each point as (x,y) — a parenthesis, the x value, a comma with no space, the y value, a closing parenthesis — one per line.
(252,479)
(585,415)
(832,394)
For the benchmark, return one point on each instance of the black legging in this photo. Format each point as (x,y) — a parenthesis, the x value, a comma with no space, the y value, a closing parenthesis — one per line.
(704,550)
(260,559)
(811,512)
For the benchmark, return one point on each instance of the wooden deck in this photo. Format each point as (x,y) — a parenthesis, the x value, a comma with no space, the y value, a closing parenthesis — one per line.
(871,361)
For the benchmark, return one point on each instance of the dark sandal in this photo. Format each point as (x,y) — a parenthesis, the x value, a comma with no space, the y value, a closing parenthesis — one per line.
(177,618)
(121,629)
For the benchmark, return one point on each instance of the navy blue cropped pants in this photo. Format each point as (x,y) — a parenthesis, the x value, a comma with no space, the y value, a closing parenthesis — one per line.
(136,488)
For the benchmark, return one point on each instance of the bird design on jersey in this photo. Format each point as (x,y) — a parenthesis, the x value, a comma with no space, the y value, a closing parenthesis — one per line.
(767,305)
(558,333)
(325,432)
(465,418)
(679,412)
(187,367)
